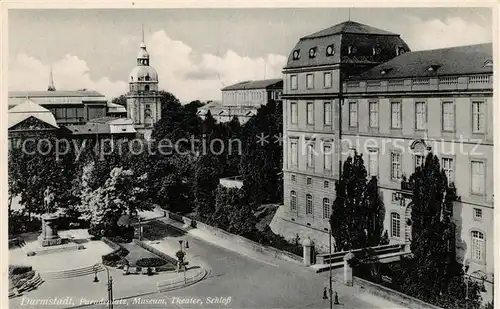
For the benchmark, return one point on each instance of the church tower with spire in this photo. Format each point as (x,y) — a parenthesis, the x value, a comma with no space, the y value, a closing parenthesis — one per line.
(143,99)
(51,82)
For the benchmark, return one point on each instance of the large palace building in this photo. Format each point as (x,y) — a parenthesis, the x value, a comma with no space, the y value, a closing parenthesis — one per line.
(395,106)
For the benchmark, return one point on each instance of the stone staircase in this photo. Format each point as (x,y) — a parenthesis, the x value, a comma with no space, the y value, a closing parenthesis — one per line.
(71,273)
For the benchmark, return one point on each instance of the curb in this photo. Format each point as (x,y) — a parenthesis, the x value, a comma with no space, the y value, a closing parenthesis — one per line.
(196,278)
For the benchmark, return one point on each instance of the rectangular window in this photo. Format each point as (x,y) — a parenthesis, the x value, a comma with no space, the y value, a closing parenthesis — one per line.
(327,114)
(310,113)
(447,165)
(293,113)
(71,113)
(309,81)
(309,204)
(309,180)
(395,166)
(478,246)
(353,114)
(61,113)
(326,208)
(293,200)
(478,177)
(373,162)
(310,155)
(327,157)
(419,161)
(293,178)
(396,115)
(478,213)
(420,116)
(448,116)
(395,225)
(293,153)
(327,80)
(326,184)
(293,81)
(478,117)
(373,114)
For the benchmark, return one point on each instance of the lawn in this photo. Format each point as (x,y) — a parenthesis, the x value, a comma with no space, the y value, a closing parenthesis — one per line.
(137,253)
(155,230)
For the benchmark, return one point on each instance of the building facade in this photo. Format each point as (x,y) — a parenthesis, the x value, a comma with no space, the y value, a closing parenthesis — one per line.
(143,99)
(396,106)
(242,100)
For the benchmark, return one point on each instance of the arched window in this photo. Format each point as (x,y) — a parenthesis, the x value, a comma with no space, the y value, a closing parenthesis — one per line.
(146,88)
(309,204)
(147,77)
(395,225)
(326,208)
(293,201)
(478,246)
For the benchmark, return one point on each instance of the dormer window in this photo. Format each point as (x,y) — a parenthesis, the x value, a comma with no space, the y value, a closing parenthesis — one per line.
(330,50)
(351,50)
(376,50)
(433,68)
(147,76)
(131,78)
(296,54)
(385,71)
(400,50)
(488,63)
(312,52)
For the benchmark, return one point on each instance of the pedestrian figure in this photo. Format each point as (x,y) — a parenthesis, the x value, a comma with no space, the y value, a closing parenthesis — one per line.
(336,299)
(187,245)
(324,294)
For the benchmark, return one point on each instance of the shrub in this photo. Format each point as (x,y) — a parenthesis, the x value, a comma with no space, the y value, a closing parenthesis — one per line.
(21,223)
(18,280)
(31,253)
(150,262)
(18,269)
(81,247)
(119,239)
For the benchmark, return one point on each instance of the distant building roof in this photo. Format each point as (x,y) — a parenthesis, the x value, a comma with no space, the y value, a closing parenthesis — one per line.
(29,109)
(58,93)
(116,108)
(351,27)
(89,128)
(471,59)
(256,84)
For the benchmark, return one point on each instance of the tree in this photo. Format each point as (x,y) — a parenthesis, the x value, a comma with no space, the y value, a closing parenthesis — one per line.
(262,162)
(121,100)
(232,212)
(357,214)
(123,193)
(38,166)
(433,274)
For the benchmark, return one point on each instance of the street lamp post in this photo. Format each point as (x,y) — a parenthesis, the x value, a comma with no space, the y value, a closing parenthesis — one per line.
(110,283)
(182,263)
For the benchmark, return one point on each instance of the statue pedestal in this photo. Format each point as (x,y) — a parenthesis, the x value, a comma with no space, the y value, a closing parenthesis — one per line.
(49,236)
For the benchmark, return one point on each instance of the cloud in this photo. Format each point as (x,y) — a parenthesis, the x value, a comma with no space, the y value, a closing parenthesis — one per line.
(451,31)
(70,73)
(189,75)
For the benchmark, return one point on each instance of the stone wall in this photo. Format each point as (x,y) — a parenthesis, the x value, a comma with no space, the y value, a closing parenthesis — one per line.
(237,240)
(391,295)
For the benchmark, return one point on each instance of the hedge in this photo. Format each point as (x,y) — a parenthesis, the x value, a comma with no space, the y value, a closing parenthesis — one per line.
(19,269)
(151,262)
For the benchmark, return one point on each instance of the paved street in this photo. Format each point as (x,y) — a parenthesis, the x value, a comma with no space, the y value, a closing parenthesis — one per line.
(251,282)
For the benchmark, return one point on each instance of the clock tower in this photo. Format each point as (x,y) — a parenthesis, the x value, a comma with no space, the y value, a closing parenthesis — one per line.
(143,99)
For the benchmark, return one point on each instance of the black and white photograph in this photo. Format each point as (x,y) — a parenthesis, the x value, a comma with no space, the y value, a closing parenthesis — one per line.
(240,155)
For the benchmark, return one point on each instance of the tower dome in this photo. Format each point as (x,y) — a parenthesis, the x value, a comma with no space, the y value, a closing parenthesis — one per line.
(143,73)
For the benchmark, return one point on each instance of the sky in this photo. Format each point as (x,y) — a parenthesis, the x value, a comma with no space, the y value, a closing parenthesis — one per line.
(199,51)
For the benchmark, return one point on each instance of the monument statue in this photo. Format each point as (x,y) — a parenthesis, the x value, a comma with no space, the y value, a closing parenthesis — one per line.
(49,236)
(48,200)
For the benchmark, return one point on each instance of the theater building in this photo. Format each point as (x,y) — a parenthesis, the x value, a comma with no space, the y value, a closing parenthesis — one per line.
(242,100)
(396,106)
